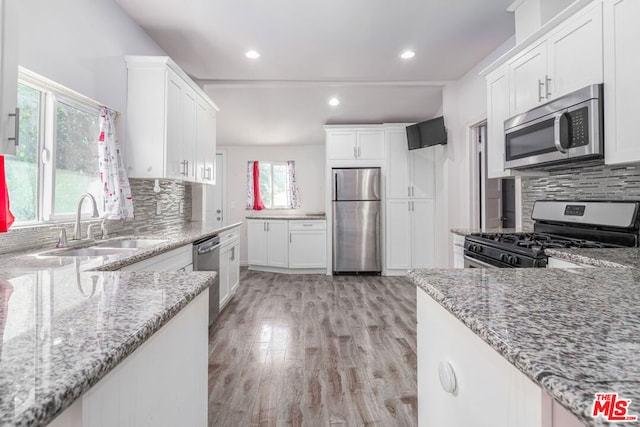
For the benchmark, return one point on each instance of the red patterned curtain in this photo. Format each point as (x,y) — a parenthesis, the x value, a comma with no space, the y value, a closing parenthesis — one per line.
(254,200)
(6,217)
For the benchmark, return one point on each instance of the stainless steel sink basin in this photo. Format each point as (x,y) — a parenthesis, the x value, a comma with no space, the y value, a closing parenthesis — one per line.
(129,243)
(92,251)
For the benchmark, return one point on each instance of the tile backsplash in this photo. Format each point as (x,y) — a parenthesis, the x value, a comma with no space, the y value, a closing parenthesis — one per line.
(175,207)
(581,183)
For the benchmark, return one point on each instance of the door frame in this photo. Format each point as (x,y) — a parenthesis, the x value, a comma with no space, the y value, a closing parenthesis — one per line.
(223,152)
(475,169)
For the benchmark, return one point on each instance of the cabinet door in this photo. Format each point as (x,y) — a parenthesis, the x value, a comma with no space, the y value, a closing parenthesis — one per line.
(398,184)
(308,249)
(575,53)
(8,75)
(257,242)
(174,133)
(497,113)
(206,143)
(370,144)
(190,134)
(234,268)
(423,234)
(490,391)
(422,173)
(224,275)
(341,145)
(527,79)
(278,243)
(621,88)
(398,234)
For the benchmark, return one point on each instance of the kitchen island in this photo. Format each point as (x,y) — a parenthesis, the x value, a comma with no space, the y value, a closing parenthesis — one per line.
(84,343)
(572,332)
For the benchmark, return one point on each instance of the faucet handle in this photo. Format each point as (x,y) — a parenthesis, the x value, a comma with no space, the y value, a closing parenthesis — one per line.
(62,239)
(90,234)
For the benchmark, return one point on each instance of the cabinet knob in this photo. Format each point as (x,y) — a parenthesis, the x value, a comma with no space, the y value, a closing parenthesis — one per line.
(447,377)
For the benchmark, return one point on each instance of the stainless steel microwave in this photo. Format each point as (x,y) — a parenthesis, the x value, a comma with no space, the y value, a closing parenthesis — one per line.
(567,129)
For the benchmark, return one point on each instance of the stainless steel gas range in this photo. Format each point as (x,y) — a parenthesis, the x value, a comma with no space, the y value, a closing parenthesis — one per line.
(558,224)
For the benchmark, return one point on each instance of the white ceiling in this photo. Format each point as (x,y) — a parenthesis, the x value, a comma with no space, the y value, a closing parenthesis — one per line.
(315,50)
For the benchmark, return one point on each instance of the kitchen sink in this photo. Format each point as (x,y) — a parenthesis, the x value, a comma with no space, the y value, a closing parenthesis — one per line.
(128,244)
(91,251)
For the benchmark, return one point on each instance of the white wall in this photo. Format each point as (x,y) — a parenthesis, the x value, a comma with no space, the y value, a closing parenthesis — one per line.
(464,103)
(80,44)
(309,172)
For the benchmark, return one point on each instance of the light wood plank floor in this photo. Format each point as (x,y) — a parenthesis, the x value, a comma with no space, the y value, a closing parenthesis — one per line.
(311,350)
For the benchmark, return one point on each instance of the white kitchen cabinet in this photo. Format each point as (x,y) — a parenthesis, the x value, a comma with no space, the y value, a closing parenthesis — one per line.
(410,235)
(458,251)
(9,114)
(229,273)
(410,173)
(568,58)
(205,143)
(179,259)
(488,391)
(162,383)
(308,244)
(497,112)
(268,243)
(354,144)
(621,88)
(167,128)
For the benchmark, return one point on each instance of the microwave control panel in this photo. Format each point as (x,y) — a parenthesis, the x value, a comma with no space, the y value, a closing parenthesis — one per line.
(578,127)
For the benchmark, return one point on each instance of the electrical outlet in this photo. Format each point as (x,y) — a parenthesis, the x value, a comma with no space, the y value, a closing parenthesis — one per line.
(158,208)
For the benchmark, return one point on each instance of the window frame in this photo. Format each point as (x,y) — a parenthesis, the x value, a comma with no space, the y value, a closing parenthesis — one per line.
(51,95)
(271,164)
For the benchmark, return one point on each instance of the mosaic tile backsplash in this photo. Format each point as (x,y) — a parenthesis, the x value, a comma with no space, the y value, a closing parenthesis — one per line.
(175,204)
(581,183)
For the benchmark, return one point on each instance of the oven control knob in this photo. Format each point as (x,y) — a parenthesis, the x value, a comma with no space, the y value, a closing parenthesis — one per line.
(503,257)
(472,248)
(478,249)
(513,260)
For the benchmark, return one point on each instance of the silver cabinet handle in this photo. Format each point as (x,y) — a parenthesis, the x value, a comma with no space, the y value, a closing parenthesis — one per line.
(409,191)
(218,211)
(268,227)
(16,127)
(413,191)
(540,96)
(355,153)
(185,168)
(264,226)
(409,204)
(204,176)
(547,80)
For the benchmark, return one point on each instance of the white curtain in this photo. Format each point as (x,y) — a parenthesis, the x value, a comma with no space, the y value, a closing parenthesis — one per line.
(293,195)
(115,184)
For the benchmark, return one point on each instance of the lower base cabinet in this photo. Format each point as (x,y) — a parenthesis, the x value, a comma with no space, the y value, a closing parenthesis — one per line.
(162,383)
(229,274)
(487,389)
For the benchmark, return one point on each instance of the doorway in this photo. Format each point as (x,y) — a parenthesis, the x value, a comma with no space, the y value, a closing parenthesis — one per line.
(495,197)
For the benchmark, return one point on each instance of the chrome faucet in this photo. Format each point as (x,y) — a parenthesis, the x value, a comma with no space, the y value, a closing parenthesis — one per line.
(77,230)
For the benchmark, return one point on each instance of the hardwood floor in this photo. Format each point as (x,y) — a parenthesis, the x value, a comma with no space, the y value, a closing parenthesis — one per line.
(312,350)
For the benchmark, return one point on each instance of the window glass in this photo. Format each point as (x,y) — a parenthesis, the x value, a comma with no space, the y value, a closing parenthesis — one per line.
(279,189)
(76,170)
(22,169)
(266,184)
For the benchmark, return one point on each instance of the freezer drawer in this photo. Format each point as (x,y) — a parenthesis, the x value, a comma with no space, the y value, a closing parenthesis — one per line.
(356,237)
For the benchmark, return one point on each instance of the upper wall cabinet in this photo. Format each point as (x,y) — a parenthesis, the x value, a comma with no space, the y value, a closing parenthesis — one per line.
(355,144)
(10,115)
(621,88)
(170,123)
(497,113)
(567,59)
(410,173)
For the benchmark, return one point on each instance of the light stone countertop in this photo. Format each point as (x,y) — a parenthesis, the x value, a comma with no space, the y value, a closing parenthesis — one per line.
(64,324)
(303,217)
(574,332)
(465,231)
(615,257)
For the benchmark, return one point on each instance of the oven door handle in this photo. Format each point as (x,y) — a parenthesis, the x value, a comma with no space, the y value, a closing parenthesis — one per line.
(561,132)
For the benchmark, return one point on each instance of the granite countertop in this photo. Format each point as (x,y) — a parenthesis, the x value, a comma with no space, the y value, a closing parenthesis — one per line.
(617,257)
(302,217)
(64,323)
(26,261)
(465,231)
(574,332)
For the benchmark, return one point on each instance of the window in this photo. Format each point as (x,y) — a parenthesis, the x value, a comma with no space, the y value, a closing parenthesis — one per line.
(276,184)
(57,160)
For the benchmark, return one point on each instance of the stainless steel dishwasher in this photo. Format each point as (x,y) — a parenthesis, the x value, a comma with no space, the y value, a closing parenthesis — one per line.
(206,257)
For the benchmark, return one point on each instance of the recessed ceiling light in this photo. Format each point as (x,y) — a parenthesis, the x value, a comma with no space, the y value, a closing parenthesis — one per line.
(252,54)
(334,102)
(407,54)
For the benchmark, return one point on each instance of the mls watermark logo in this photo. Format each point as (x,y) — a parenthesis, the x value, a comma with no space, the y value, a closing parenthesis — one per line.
(611,408)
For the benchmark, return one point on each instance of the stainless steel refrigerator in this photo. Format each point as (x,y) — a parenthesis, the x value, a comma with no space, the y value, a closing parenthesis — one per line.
(356,220)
